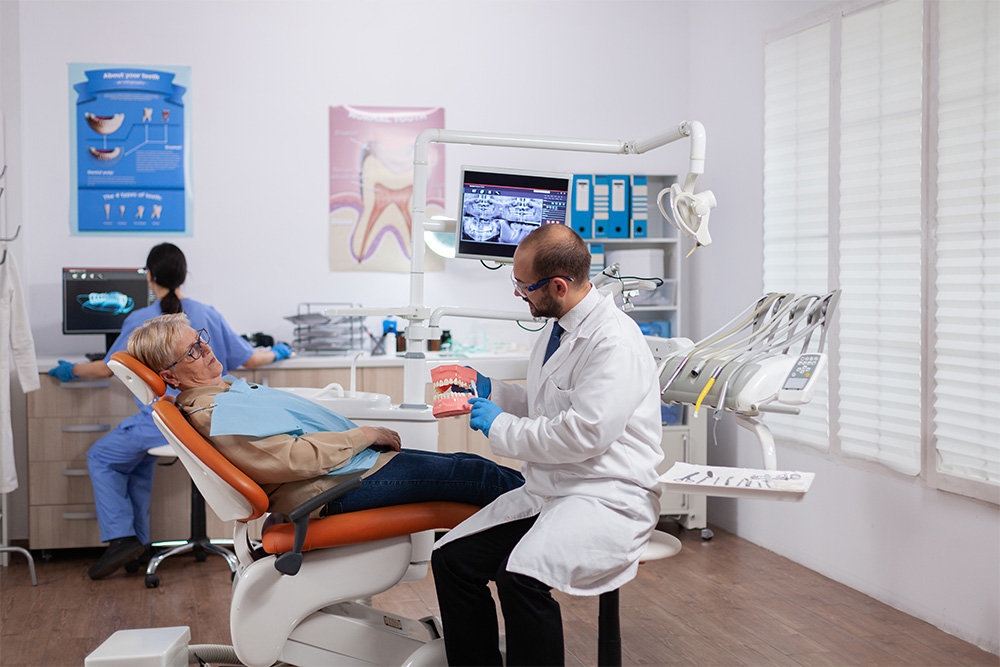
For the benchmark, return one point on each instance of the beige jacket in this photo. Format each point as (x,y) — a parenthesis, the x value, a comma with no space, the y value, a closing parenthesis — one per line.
(290,469)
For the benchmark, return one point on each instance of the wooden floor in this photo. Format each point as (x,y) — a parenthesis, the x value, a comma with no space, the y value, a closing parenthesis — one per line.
(722,602)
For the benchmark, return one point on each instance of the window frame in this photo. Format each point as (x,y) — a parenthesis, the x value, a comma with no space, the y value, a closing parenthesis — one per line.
(928,475)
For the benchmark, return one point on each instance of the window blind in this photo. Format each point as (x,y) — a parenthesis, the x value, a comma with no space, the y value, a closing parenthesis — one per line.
(796,204)
(880,234)
(967,278)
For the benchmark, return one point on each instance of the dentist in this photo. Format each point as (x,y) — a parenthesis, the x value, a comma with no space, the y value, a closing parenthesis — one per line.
(587,428)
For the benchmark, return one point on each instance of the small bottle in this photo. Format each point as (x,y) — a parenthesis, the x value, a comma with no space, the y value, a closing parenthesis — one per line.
(388,337)
(445,340)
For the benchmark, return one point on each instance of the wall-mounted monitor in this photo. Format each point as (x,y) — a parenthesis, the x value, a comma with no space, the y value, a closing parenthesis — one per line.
(97,301)
(499,207)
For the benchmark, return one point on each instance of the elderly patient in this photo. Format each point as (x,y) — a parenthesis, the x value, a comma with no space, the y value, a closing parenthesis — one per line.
(296,449)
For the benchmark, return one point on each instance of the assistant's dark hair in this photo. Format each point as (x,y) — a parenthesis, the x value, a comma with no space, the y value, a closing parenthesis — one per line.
(167,267)
(559,251)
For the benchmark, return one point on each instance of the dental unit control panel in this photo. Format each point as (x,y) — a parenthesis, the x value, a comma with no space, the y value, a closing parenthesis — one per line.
(801,381)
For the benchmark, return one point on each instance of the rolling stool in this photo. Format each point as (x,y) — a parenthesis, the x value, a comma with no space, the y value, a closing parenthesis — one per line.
(609,635)
(199,541)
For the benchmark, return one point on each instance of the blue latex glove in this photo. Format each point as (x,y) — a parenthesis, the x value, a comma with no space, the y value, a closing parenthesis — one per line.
(484,413)
(64,371)
(281,351)
(483,385)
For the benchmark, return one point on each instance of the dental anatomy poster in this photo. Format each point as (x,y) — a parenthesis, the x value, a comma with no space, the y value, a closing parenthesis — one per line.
(130,151)
(371,186)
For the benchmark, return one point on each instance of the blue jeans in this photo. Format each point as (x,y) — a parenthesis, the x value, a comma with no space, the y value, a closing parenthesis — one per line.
(415,476)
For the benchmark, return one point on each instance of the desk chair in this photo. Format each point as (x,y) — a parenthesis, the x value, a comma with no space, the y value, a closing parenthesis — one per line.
(198,543)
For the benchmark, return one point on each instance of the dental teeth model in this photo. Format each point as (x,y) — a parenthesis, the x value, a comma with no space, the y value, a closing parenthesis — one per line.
(453,387)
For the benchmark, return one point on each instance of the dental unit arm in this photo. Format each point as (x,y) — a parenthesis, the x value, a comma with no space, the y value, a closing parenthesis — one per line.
(761,361)
(626,286)
(690,215)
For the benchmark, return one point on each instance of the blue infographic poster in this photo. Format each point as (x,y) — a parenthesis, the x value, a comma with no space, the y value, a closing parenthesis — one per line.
(130,132)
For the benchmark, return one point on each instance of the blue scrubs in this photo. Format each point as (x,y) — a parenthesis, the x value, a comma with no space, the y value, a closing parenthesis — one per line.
(121,469)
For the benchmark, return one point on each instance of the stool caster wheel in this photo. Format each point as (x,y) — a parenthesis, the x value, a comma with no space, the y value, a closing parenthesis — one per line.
(152,581)
(707,534)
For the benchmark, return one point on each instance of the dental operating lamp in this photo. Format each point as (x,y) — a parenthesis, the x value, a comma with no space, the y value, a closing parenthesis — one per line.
(688,212)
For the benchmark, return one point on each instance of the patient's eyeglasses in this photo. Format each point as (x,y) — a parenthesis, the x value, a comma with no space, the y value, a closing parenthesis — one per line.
(195,351)
(524,290)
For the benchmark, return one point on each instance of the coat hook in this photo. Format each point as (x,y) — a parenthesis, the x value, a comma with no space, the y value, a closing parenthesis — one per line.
(4,171)
(4,258)
(12,237)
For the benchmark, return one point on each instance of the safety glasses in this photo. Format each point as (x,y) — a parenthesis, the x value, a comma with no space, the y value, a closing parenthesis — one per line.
(195,351)
(524,290)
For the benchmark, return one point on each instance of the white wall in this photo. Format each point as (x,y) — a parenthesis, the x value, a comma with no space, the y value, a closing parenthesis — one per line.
(929,553)
(618,69)
(263,77)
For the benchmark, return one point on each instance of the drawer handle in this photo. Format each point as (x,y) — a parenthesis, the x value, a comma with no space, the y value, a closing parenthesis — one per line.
(79,516)
(86,428)
(76,472)
(88,384)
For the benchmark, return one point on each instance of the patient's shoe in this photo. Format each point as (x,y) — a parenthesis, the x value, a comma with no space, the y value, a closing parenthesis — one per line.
(121,550)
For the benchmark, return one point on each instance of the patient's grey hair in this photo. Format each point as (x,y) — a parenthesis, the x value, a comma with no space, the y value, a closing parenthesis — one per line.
(154,342)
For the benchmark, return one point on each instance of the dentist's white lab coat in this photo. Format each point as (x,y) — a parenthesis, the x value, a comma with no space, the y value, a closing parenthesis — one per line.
(587,427)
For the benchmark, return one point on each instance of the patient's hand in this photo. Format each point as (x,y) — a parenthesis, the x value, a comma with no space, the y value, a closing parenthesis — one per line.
(385,438)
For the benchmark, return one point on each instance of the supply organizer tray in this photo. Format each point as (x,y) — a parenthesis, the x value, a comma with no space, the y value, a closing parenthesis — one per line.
(737,482)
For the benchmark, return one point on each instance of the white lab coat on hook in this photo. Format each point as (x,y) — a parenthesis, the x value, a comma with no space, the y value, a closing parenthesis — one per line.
(19,348)
(587,426)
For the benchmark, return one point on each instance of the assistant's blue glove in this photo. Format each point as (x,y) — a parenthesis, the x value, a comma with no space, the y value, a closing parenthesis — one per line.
(281,351)
(64,371)
(483,385)
(484,413)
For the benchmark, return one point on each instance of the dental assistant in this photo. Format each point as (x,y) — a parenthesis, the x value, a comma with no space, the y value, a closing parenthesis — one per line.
(120,465)
(587,428)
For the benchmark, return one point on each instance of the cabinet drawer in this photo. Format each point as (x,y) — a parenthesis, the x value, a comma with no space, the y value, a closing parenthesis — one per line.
(63,526)
(59,483)
(66,439)
(304,377)
(81,398)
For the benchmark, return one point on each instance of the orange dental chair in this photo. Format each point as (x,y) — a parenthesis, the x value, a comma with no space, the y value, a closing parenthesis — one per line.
(293,596)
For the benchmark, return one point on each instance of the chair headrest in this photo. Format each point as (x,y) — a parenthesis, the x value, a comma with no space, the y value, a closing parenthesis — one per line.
(139,378)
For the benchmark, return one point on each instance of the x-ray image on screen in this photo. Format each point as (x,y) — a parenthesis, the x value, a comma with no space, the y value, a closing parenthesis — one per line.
(499,218)
(500,207)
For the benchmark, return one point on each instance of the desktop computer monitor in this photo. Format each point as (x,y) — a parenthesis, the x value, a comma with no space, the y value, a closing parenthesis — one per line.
(499,207)
(97,301)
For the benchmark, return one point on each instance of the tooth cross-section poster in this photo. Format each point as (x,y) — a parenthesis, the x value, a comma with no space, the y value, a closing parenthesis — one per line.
(131,151)
(371,186)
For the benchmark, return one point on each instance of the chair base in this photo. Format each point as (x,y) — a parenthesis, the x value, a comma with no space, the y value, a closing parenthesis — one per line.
(201,548)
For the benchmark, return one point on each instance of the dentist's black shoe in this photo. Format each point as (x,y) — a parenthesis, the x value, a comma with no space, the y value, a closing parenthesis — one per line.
(120,551)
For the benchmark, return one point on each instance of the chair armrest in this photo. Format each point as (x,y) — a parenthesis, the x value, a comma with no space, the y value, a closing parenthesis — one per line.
(290,562)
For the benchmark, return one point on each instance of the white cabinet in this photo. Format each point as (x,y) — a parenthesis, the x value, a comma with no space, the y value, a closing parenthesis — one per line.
(64,420)
(686,442)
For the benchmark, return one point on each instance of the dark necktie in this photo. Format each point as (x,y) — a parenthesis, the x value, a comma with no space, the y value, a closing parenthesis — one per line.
(557,332)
